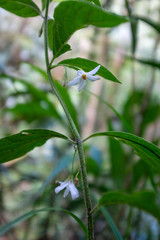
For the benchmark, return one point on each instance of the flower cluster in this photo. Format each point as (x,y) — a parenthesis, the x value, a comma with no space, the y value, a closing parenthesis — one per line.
(83,76)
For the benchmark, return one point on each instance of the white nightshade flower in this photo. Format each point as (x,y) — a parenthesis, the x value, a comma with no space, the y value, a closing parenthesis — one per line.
(83,76)
(70,187)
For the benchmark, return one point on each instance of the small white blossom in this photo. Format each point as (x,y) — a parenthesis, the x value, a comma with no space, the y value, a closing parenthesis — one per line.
(70,187)
(83,76)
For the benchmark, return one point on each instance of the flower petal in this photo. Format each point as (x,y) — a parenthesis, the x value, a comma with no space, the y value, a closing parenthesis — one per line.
(61,187)
(80,72)
(81,85)
(66,192)
(75,81)
(92,78)
(73,190)
(94,70)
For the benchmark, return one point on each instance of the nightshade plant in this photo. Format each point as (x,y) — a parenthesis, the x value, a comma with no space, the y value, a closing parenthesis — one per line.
(68,17)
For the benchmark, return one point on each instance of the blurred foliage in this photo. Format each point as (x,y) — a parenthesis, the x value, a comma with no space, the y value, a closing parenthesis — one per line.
(132,53)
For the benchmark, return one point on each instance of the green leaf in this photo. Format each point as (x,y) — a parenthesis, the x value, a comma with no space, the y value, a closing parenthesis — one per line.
(151,62)
(19,144)
(73,15)
(145,200)
(5,228)
(134,30)
(120,116)
(65,48)
(50,33)
(97,2)
(133,26)
(150,22)
(32,111)
(22,8)
(44,4)
(117,160)
(111,223)
(129,104)
(38,98)
(139,170)
(92,166)
(87,65)
(149,152)
(151,113)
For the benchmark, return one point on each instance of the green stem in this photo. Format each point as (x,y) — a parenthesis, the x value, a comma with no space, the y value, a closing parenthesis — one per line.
(75,132)
(85,190)
(95,209)
(73,162)
(50,65)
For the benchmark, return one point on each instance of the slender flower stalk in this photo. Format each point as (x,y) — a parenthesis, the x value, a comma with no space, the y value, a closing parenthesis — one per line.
(74,131)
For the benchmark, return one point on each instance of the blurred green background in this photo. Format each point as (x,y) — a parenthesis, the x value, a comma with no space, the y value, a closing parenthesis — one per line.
(26,102)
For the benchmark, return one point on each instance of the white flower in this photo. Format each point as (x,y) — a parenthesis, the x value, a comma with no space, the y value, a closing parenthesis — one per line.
(83,76)
(70,187)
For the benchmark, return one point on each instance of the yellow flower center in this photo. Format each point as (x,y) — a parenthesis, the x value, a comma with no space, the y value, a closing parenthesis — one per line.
(84,76)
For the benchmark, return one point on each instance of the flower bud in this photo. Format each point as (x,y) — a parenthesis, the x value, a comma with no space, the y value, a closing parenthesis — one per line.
(76,181)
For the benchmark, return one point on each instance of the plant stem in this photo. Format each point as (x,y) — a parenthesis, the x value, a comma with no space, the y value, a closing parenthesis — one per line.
(74,155)
(75,132)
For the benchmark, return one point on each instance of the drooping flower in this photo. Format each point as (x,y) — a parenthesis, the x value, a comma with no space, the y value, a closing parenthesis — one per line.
(70,187)
(83,76)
